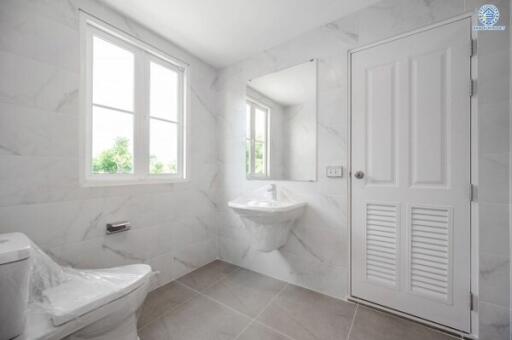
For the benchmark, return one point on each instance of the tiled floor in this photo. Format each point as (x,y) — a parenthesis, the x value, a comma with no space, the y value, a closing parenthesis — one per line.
(221,301)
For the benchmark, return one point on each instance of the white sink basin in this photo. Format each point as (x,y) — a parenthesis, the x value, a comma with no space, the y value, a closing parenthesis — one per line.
(269,206)
(268,220)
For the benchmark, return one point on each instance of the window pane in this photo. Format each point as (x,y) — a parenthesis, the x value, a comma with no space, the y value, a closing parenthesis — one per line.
(259,159)
(163,147)
(112,141)
(260,122)
(164,92)
(113,75)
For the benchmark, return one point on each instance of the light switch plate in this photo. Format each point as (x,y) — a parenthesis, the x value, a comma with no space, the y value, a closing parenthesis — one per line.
(334,171)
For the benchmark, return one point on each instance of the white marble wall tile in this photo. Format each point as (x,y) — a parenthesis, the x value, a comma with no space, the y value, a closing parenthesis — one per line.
(28,34)
(56,10)
(193,257)
(323,232)
(33,132)
(39,190)
(494,322)
(31,83)
(494,228)
(495,279)
(392,17)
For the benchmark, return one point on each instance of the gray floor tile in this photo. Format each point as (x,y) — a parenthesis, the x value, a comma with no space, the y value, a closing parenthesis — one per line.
(370,324)
(245,291)
(156,330)
(259,332)
(163,300)
(198,319)
(303,314)
(204,277)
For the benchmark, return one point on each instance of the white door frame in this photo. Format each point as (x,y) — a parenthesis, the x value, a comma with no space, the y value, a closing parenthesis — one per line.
(474,227)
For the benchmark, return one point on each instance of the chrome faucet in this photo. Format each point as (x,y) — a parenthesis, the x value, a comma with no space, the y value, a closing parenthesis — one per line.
(273,191)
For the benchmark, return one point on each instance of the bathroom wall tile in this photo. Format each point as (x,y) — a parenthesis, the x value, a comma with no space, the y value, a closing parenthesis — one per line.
(494,228)
(28,82)
(32,132)
(493,127)
(493,172)
(494,322)
(311,274)
(173,225)
(55,10)
(495,279)
(391,17)
(162,266)
(29,34)
(194,256)
(316,254)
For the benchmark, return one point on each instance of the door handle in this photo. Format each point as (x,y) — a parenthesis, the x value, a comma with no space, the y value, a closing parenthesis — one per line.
(359,174)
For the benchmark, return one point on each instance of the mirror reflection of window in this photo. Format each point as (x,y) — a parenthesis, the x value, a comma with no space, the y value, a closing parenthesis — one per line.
(282,124)
(256,146)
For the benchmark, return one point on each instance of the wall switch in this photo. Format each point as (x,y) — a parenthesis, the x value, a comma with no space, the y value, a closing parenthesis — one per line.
(334,171)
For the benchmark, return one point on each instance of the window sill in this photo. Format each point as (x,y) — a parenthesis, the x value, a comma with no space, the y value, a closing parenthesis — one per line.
(110,182)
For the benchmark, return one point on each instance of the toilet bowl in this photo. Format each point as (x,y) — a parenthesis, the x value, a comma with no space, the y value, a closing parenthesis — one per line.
(73,304)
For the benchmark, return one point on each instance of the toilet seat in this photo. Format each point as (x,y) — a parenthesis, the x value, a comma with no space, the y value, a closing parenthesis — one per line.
(124,298)
(87,290)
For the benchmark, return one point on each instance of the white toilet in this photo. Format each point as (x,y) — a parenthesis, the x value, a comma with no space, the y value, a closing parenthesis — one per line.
(41,300)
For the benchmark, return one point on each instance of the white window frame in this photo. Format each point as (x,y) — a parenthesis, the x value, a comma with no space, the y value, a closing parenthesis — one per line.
(144,54)
(252,139)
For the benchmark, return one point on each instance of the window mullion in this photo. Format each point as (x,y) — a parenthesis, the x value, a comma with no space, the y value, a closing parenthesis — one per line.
(267,144)
(181,126)
(143,56)
(141,144)
(253,140)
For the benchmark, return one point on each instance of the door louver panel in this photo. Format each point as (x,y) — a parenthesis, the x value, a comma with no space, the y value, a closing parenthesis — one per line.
(382,225)
(429,251)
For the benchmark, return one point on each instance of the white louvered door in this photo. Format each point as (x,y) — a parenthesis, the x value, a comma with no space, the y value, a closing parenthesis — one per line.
(410,106)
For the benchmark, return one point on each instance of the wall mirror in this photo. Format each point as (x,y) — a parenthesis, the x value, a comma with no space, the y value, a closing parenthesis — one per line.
(281,125)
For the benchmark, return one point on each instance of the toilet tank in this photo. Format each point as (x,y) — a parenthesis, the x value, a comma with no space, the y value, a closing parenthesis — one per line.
(14,283)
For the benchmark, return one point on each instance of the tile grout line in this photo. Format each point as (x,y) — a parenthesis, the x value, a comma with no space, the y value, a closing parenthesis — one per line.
(261,312)
(252,320)
(159,317)
(352,323)
(176,281)
(216,301)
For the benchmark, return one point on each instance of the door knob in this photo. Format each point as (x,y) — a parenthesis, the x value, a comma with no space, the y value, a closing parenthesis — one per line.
(359,174)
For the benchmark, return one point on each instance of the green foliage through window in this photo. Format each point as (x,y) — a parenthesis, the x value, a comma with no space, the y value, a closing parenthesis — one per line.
(116,160)
(119,160)
(158,167)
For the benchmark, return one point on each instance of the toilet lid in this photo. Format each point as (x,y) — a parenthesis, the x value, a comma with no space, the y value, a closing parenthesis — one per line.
(86,290)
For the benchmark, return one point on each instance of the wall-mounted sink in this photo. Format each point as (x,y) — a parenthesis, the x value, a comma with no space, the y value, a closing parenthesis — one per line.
(269,215)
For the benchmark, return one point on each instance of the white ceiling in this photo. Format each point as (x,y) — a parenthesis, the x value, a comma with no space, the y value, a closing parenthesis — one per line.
(222,32)
(288,87)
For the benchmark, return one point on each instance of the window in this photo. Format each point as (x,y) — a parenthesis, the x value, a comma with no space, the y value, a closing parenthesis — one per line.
(134,110)
(256,146)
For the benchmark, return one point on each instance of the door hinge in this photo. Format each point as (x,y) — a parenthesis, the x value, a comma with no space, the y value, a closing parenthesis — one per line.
(473,303)
(473,193)
(472,47)
(472,87)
